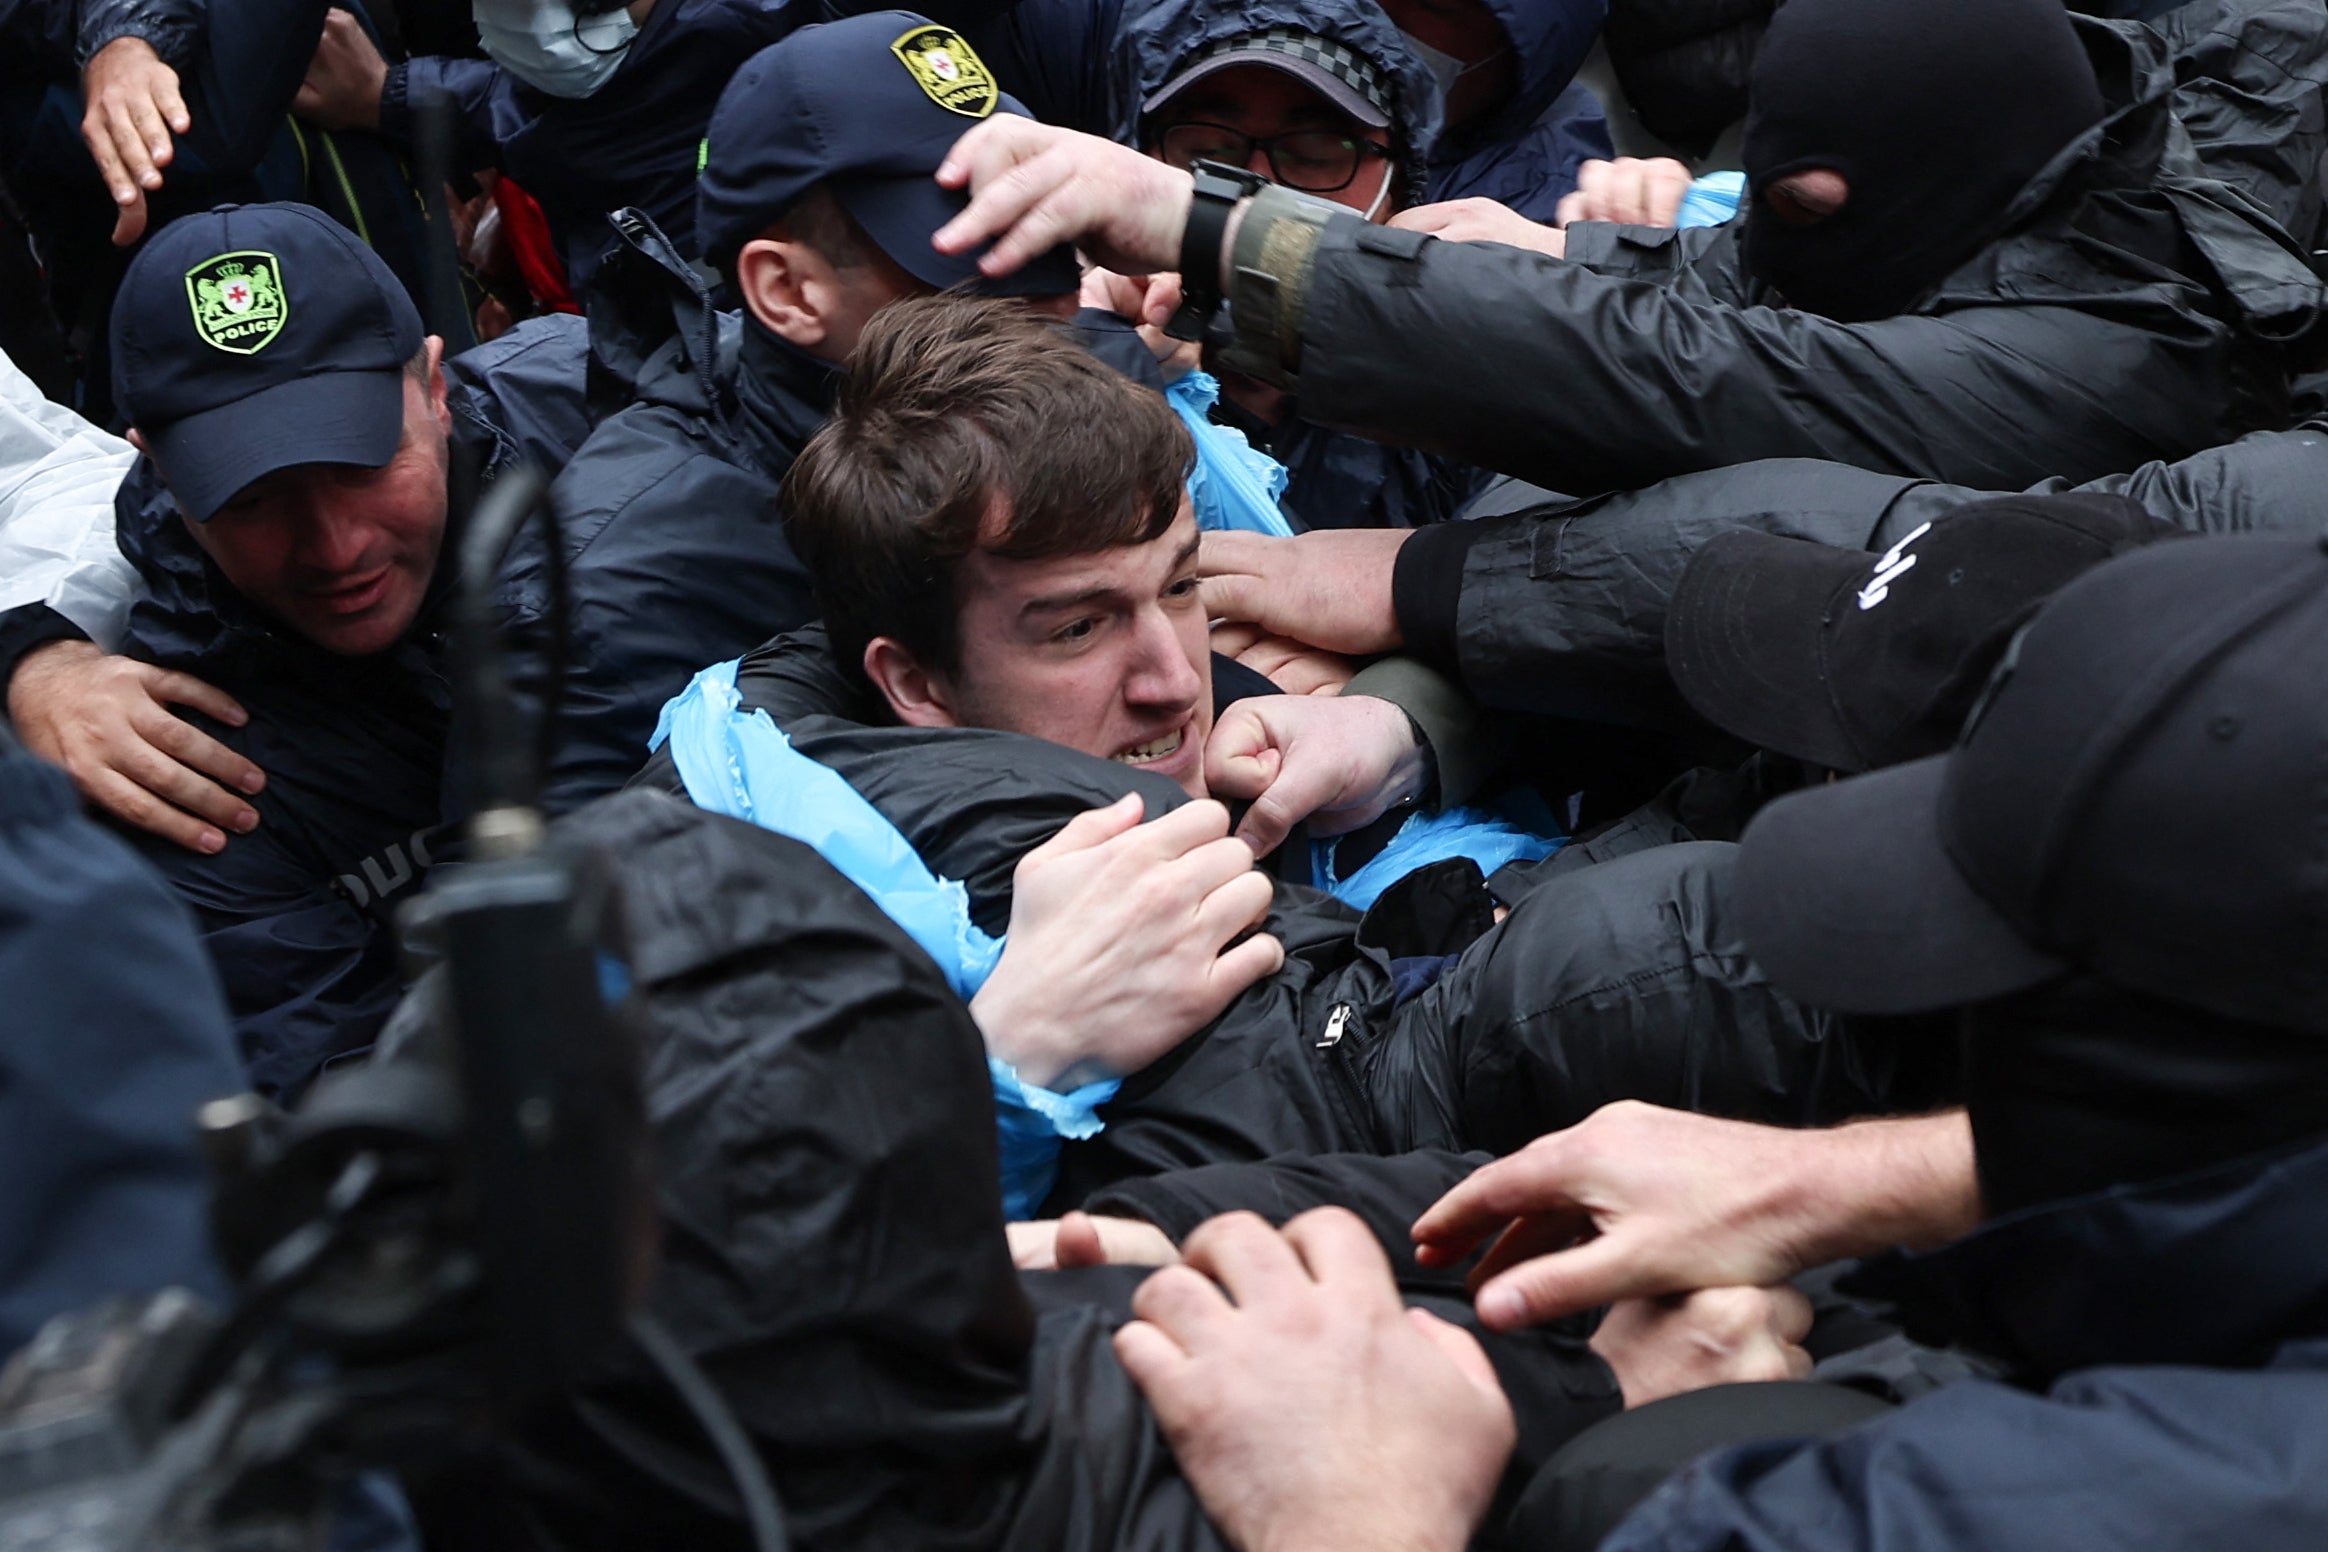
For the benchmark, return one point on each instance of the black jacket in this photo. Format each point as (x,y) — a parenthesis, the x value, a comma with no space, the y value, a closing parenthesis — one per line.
(673,545)
(1620,981)
(2133,311)
(2171,1366)
(832,1250)
(1560,608)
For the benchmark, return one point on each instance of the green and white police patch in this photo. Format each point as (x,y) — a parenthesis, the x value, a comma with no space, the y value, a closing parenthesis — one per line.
(238,301)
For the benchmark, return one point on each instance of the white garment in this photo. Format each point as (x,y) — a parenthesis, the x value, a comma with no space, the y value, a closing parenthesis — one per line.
(57,478)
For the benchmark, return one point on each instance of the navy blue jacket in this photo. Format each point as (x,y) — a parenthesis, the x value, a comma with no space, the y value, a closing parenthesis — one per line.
(634,142)
(1526,155)
(674,545)
(115,1034)
(297,914)
(2172,1341)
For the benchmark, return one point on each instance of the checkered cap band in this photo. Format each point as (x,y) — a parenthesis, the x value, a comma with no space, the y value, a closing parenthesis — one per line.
(1342,62)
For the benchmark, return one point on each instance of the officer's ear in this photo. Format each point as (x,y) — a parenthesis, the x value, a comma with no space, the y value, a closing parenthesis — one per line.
(791,288)
(918,697)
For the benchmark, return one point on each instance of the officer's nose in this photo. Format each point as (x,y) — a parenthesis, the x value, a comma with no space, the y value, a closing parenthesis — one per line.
(1258,164)
(336,534)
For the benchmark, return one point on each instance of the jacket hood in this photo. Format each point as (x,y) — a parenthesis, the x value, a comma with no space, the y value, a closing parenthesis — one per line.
(1550,40)
(1159,38)
(2218,1267)
(828,1187)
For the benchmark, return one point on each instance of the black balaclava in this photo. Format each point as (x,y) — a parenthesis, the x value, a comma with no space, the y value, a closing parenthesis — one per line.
(1936,112)
(2079,1085)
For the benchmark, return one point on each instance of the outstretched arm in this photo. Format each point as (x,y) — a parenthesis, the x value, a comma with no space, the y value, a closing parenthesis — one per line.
(1639,1202)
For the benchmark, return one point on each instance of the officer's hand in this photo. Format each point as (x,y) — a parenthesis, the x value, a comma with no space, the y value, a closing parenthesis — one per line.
(1119,943)
(1087,1239)
(1330,588)
(1637,1201)
(1483,220)
(1033,186)
(344,79)
(131,108)
(1135,298)
(1337,761)
(107,721)
(1716,1336)
(1295,667)
(1634,191)
(1307,1407)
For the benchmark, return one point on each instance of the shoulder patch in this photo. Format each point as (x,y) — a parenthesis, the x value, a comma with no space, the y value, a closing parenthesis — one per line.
(238,301)
(948,71)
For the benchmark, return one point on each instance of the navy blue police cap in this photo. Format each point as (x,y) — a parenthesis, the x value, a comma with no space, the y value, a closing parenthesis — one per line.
(250,338)
(867,107)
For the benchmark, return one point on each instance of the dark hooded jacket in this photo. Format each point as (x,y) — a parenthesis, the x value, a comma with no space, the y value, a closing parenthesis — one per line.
(634,142)
(1526,154)
(674,555)
(2171,1354)
(2136,308)
(832,1250)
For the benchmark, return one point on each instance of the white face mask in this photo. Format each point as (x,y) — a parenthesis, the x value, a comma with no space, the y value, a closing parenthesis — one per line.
(545,45)
(1446,68)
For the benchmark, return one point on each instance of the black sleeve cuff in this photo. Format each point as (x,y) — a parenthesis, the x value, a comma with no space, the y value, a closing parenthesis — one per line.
(26,627)
(1426,592)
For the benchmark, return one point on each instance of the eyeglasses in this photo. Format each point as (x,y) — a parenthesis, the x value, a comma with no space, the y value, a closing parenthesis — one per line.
(1315,161)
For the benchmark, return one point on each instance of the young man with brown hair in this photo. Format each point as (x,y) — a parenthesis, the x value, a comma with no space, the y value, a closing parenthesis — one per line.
(1003,546)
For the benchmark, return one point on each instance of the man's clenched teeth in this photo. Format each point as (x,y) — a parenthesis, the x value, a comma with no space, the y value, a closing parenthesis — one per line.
(1148,754)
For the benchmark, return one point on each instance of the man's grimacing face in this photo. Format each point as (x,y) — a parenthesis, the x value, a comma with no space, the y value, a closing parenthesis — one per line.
(1108,653)
(342,554)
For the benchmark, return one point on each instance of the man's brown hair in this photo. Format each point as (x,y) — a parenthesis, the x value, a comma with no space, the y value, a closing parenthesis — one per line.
(969,423)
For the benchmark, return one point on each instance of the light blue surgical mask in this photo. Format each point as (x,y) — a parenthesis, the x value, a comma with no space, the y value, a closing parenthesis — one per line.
(545,45)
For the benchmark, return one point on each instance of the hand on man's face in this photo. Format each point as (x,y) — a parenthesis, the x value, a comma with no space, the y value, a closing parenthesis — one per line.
(1311,1410)
(1294,667)
(1330,588)
(1338,762)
